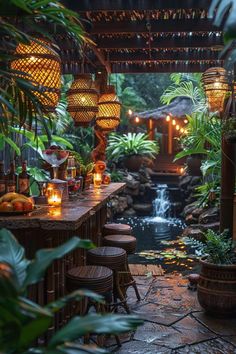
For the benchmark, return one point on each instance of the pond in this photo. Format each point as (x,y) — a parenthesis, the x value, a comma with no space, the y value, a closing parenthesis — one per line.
(159,238)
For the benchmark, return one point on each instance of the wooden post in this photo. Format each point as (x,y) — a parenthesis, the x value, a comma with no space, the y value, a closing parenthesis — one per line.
(227,169)
(151,129)
(227,186)
(170,138)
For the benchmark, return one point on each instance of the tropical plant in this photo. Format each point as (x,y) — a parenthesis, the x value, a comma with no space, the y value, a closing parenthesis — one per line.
(22,321)
(18,102)
(186,85)
(120,146)
(219,248)
(224,14)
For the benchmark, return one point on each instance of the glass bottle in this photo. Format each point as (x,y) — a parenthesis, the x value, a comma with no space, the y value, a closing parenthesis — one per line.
(11,178)
(2,179)
(24,180)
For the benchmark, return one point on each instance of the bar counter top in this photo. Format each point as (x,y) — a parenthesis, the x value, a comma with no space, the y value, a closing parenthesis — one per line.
(71,214)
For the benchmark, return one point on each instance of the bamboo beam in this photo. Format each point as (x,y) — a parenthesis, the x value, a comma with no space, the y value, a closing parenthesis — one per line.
(160,42)
(154,55)
(134,5)
(151,129)
(165,67)
(154,26)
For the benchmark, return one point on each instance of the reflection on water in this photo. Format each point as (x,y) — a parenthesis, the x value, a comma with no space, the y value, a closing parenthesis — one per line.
(158,242)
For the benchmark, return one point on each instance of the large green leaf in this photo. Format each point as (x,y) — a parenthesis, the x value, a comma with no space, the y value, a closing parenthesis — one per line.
(45,257)
(94,323)
(224,13)
(77,295)
(189,152)
(12,253)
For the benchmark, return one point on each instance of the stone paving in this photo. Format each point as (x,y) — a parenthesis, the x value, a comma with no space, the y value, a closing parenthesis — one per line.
(174,322)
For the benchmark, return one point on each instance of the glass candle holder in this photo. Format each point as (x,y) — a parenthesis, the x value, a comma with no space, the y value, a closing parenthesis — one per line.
(97,180)
(54,197)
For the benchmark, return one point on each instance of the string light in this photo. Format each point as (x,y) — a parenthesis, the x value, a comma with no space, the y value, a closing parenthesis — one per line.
(177,127)
(130,112)
(181,130)
(173,122)
(168,118)
(137,119)
(185,121)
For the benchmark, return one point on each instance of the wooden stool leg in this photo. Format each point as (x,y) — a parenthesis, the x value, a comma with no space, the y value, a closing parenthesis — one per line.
(119,291)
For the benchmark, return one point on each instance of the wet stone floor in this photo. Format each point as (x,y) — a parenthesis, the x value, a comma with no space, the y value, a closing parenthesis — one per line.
(174,322)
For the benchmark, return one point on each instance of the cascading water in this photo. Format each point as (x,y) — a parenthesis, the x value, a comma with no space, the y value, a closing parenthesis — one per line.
(162,202)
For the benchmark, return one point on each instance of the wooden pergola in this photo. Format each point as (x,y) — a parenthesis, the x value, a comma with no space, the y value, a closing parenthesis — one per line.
(135,36)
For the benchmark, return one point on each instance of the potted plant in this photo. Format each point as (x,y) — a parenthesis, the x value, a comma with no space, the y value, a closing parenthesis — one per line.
(131,148)
(217,283)
(229,130)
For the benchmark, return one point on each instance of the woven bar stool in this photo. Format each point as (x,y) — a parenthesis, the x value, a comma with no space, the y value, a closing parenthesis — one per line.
(128,243)
(116,259)
(95,278)
(121,229)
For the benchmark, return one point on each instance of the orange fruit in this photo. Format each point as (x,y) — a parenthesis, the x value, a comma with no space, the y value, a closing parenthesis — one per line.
(6,207)
(28,206)
(18,206)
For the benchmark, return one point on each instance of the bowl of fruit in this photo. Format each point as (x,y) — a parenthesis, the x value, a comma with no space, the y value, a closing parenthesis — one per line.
(15,204)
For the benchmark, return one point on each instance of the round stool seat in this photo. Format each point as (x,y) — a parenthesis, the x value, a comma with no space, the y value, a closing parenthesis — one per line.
(111,257)
(127,242)
(95,278)
(118,229)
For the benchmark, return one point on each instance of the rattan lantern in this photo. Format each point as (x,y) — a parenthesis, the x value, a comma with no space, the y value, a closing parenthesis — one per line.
(108,117)
(216,86)
(43,67)
(82,100)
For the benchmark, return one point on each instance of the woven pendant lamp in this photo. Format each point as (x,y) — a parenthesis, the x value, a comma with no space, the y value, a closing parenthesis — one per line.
(82,100)
(43,67)
(108,117)
(216,86)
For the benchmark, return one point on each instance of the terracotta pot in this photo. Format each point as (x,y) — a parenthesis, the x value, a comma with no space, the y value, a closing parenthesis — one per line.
(193,165)
(216,289)
(133,162)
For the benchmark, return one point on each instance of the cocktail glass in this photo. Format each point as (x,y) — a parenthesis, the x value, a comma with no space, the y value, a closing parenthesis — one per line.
(55,157)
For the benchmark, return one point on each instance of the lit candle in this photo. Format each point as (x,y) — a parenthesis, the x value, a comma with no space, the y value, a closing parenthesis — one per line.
(54,197)
(97,180)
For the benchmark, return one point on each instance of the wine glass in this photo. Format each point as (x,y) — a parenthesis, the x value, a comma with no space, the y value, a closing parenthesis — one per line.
(55,157)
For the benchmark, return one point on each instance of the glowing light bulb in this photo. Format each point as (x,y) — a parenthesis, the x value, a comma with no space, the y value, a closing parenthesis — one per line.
(181,170)
(168,118)
(185,121)
(177,127)
(130,112)
(216,84)
(137,120)
(181,130)
(173,122)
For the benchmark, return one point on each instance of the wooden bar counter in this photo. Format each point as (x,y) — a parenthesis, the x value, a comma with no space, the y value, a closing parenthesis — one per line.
(49,227)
